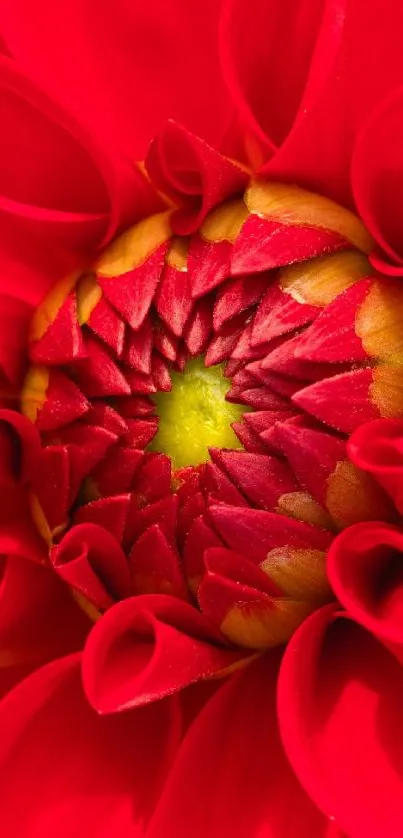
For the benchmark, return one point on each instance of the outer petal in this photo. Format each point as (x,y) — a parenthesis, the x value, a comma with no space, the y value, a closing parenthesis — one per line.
(78,774)
(377,175)
(39,619)
(231,776)
(148,647)
(365,569)
(332,61)
(60,189)
(135,64)
(340,698)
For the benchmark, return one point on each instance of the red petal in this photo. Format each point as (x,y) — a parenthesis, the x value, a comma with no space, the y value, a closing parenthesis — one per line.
(365,565)
(141,432)
(174,299)
(110,513)
(107,324)
(199,327)
(254,531)
(117,779)
(279,313)
(164,513)
(377,447)
(227,748)
(14,320)
(237,295)
(160,374)
(62,342)
(165,342)
(155,566)
(332,337)
(279,54)
(264,243)
(153,481)
(39,618)
(217,483)
(91,560)
(85,194)
(200,537)
(208,264)
(64,403)
(248,438)
(98,374)
(131,293)
(146,648)
(193,174)
(340,692)
(261,478)
(312,455)
(138,347)
(120,85)
(343,402)
(378,159)
(115,474)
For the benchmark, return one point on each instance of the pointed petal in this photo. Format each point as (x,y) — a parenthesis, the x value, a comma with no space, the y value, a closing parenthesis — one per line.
(254,531)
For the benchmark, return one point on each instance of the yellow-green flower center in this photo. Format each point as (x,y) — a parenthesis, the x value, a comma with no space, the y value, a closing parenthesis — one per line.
(194,415)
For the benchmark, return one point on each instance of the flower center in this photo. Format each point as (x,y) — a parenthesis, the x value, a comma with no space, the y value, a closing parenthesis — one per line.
(194,415)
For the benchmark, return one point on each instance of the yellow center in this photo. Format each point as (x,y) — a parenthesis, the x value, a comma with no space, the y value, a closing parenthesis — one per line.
(194,415)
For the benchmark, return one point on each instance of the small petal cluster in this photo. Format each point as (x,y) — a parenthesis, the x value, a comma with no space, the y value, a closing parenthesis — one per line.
(276,287)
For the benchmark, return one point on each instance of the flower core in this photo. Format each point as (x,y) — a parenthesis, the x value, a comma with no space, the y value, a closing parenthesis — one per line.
(263,337)
(193,415)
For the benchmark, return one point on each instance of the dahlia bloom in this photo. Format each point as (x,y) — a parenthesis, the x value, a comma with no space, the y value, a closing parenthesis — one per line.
(201,424)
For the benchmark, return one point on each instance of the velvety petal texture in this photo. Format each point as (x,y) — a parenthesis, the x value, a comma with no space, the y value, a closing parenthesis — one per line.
(339,700)
(305,77)
(79,773)
(135,65)
(231,776)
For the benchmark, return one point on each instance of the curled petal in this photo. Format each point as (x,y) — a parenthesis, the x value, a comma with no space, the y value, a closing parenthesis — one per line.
(300,94)
(365,568)
(108,773)
(377,447)
(339,703)
(192,174)
(149,647)
(241,783)
(92,561)
(266,71)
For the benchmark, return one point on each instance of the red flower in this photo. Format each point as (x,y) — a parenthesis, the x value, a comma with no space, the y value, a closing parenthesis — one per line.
(221,691)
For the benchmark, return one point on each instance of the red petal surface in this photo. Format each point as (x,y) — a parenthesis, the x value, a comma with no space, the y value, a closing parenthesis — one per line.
(241,783)
(342,402)
(111,789)
(339,701)
(255,531)
(365,567)
(141,66)
(377,174)
(377,447)
(193,174)
(322,87)
(149,647)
